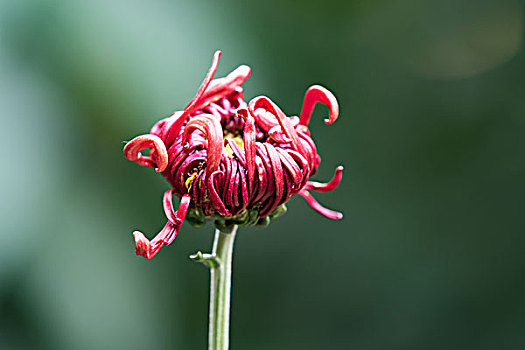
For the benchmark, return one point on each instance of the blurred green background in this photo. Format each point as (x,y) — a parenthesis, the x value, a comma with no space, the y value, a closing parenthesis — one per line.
(430,254)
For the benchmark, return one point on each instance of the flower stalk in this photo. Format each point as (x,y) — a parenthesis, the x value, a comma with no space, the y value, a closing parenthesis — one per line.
(235,163)
(220,264)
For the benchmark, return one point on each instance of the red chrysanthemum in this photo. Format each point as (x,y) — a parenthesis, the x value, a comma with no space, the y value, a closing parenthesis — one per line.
(232,162)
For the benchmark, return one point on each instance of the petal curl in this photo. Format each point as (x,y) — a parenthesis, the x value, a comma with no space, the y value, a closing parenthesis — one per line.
(236,150)
(313,95)
(177,124)
(249,146)
(278,136)
(284,122)
(334,215)
(292,167)
(277,169)
(148,249)
(191,106)
(214,196)
(158,157)
(211,127)
(219,88)
(329,186)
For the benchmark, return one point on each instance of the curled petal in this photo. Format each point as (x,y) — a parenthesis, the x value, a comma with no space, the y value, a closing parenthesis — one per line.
(169,128)
(277,173)
(249,148)
(189,165)
(284,122)
(214,196)
(222,87)
(177,123)
(158,157)
(277,135)
(144,247)
(179,218)
(231,184)
(334,215)
(167,203)
(210,126)
(202,89)
(293,169)
(265,168)
(244,190)
(148,249)
(314,95)
(266,104)
(236,151)
(243,113)
(264,119)
(329,186)
(303,163)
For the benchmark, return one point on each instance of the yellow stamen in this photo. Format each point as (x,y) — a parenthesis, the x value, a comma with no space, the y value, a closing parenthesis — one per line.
(227,150)
(189,181)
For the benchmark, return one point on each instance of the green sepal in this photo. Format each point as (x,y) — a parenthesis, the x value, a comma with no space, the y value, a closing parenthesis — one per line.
(280,210)
(224,225)
(253,217)
(196,217)
(264,222)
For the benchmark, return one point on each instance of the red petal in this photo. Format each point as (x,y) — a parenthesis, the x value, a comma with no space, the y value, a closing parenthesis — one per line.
(211,127)
(222,87)
(334,215)
(249,148)
(148,249)
(329,186)
(314,95)
(207,80)
(175,128)
(284,122)
(158,157)
(214,197)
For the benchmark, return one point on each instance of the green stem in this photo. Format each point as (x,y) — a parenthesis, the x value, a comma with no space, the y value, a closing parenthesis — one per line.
(220,287)
(220,264)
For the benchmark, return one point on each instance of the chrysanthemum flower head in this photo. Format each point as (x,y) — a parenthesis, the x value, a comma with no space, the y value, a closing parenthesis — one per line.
(232,162)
